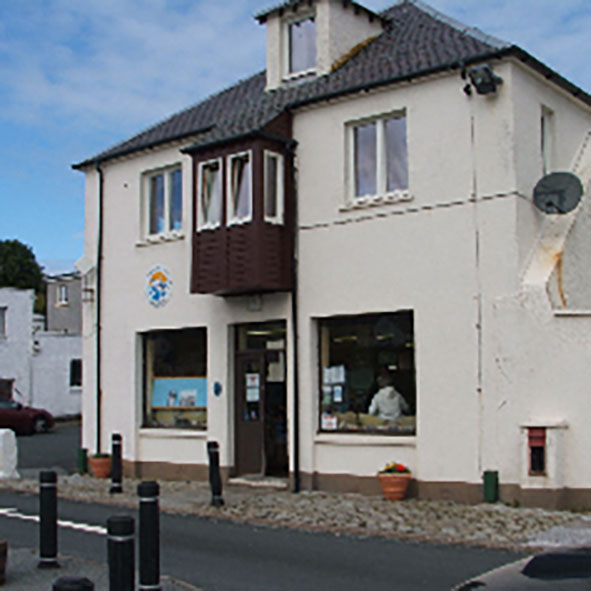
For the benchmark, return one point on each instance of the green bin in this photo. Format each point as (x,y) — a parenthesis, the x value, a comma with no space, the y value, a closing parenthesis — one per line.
(491,486)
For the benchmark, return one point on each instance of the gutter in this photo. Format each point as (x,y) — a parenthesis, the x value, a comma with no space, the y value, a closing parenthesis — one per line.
(99,265)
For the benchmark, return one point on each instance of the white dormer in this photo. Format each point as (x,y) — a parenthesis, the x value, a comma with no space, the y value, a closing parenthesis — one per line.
(312,37)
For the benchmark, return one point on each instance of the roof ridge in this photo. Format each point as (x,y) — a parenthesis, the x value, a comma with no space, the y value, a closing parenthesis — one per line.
(474,32)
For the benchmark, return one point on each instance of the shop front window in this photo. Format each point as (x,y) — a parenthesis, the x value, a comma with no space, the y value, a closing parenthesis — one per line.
(175,380)
(367,374)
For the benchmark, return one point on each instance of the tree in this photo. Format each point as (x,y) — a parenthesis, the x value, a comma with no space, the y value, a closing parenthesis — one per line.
(19,267)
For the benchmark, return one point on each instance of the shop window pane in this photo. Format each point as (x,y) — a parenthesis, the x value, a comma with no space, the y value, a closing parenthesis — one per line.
(365,160)
(176,378)
(396,156)
(156,204)
(302,45)
(367,374)
(176,199)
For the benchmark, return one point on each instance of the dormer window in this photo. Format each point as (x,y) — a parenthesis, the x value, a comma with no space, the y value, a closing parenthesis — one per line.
(302,45)
(210,194)
(240,188)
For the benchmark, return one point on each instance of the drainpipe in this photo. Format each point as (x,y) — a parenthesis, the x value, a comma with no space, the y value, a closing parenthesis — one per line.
(99,262)
(295,332)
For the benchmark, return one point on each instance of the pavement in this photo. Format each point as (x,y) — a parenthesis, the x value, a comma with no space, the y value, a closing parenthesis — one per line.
(269,503)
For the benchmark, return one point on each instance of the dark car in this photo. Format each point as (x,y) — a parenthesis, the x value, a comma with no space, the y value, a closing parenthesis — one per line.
(567,568)
(24,420)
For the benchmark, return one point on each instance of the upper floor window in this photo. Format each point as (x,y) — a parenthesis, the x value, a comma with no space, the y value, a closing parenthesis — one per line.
(164,206)
(302,45)
(210,193)
(379,158)
(273,187)
(62,294)
(3,321)
(547,139)
(240,188)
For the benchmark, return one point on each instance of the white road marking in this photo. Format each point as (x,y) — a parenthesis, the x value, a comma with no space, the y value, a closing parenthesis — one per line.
(15,514)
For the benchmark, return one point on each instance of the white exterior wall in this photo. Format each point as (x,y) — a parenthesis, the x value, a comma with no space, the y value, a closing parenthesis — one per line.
(126,313)
(16,346)
(51,373)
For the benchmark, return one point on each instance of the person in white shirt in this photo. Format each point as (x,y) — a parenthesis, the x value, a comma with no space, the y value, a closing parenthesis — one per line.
(387,403)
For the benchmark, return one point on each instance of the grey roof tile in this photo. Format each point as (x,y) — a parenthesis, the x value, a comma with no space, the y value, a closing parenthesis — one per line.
(416,41)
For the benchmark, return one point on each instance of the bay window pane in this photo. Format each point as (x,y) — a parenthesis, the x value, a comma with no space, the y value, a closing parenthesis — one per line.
(211,193)
(396,154)
(365,154)
(176,200)
(302,45)
(156,204)
(241,194)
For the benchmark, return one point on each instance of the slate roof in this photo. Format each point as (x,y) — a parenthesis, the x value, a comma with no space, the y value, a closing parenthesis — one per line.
(417,41)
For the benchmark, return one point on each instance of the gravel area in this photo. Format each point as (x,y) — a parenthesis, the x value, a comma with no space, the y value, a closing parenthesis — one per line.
(489,525)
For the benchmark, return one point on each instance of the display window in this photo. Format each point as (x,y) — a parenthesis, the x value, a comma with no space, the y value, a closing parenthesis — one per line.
(175,378)
(367,373)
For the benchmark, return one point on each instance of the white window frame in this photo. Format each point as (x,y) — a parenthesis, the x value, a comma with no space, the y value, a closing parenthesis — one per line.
(287,73)
(382,170)
(231,219)
(280,189)
(62,296)
(201,224)
(547,139)
(3,315)
(167,232)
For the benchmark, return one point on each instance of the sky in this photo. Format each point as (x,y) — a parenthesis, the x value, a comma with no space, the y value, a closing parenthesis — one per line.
(77,76)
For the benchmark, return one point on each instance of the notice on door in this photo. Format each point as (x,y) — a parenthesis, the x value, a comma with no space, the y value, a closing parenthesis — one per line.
(253,387)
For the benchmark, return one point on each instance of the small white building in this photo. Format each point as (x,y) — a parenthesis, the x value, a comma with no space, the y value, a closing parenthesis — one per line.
(357,217)
(38,368)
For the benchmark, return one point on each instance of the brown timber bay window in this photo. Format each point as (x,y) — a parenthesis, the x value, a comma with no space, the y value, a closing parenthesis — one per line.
(367,373)
(175,378)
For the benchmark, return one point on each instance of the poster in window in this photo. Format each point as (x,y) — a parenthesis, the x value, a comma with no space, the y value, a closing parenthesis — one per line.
(337,393)
(179,392)
(329,422)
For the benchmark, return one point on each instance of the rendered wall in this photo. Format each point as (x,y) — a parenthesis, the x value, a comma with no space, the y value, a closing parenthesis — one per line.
(51,373)
(16,346)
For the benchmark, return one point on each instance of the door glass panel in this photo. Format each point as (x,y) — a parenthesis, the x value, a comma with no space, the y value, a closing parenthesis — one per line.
(252,390)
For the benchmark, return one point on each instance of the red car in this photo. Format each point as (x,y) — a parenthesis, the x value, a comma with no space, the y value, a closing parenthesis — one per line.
(24,420)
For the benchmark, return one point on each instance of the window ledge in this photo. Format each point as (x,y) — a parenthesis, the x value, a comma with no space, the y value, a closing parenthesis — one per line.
(366,439)
(291,76)
(566,313)
(377,201)
(160,238)
(75,389)
(171,433)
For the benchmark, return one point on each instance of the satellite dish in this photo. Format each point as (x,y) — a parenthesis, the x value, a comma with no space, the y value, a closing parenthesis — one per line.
(558,192)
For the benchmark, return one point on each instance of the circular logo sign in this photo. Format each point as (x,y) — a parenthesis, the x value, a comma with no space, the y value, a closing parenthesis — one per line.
(158,286)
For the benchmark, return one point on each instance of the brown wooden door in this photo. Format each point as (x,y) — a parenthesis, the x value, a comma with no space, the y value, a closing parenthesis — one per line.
(250,409)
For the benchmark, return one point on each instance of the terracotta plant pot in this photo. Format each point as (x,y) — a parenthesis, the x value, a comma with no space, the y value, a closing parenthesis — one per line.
(394,485)
(100,467)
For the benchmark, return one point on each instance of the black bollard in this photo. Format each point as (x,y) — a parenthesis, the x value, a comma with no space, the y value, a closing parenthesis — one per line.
(121,553)
(215,481)
(149,536)
(48,519)
(116,465)
(72,584)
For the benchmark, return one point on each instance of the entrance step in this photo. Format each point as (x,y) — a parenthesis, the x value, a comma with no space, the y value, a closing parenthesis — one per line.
(258,481)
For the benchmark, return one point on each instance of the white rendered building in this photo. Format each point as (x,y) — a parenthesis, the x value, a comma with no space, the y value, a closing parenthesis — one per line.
(359,214)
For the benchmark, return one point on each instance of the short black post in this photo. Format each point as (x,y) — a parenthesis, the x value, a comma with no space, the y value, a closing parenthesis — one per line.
(215,480)
(116,466)
(121,553)
(72,584)
(48,519)
(149,536)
